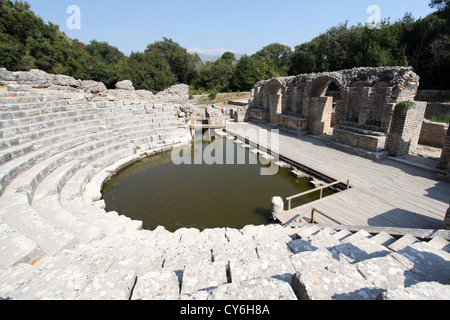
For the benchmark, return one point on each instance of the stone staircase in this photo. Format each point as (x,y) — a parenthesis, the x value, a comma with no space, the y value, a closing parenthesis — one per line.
(58,242)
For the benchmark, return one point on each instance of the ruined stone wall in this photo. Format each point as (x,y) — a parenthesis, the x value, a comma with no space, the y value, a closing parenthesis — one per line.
(446,224)
(366,99)
(406,129)
(433,134)
(445,158)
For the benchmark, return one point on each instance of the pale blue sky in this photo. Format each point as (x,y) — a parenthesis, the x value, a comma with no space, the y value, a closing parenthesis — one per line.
(215,26)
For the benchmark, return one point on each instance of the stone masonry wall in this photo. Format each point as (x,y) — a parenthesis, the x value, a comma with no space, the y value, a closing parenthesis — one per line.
(445,158)
(446,224)
(406,128)
(433,134)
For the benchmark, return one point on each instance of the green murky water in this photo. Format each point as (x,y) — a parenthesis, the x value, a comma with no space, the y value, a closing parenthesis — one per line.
(161,193)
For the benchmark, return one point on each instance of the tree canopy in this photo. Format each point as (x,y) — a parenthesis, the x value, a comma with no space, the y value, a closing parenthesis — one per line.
(26,42)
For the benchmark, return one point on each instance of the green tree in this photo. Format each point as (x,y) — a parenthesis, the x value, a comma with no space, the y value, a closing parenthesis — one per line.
(105,59)
(180,61)
(216,75)
(148,71)
(440,4)
(246,75)
(278,54)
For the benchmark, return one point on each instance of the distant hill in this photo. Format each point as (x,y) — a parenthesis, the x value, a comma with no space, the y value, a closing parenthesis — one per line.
(207,57)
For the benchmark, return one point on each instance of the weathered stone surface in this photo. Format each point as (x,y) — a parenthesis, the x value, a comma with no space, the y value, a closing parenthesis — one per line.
(245,269)
(66,81)
(387,272)
(19,87)
(203,276)
(35,78)
(277,205)
(365,100)
(420,291)
(254,289)
(113,285)
(157,285)
(431,264)
(125,85)
(176,94)
(92,86)
(321,276)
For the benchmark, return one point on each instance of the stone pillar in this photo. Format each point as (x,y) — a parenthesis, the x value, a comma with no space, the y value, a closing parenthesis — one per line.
(446,224)
(277,205)
(445,158)
(319,119)
(405,129)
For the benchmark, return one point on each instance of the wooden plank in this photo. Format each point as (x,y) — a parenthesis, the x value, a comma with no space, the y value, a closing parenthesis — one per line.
(384,193)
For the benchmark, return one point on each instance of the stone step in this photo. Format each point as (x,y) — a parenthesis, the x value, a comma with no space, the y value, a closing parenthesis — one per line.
(42,120)
(320,276)
(51,133)
(32,128)
(440,243)
(16,248)
(12,169)
(9,143)
(18,214)
(15,152)
(31,178)
(403,242)
(425,290)
(361,249)
(41,108)
(432,264)
(12,99)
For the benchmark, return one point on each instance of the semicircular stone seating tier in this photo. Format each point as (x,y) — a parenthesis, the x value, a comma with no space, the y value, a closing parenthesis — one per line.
(57,241)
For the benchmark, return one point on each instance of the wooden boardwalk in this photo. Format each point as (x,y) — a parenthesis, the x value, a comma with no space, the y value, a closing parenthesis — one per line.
(383,193)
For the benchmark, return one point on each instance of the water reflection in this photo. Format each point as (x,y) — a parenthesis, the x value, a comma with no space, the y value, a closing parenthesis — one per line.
(161,193)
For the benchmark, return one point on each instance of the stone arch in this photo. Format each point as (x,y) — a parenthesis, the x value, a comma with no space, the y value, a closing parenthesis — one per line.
(324,111)
(318,87)
(275,92)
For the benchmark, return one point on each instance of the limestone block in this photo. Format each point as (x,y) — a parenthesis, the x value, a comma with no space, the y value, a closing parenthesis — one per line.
(19,87)
(55,285)
(387,272)
(35,78)
(203,276)
(66,81)
(156,285)
(420,291)
(113,285)
(246,269)
(92,86)
(176,94)
(254,289)
(323,277)
(125,85)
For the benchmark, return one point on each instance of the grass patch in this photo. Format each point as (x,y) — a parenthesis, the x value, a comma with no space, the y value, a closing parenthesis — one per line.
(442,118)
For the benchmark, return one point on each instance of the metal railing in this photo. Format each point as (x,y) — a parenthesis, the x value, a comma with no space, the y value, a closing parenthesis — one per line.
(313,220)
(289,199)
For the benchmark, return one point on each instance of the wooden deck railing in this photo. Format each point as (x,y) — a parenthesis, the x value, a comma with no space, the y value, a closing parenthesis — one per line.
(313,212)
(289,199)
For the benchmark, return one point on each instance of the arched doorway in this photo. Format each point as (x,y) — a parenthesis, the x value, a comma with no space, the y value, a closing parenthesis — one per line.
(325,98)
(275,91)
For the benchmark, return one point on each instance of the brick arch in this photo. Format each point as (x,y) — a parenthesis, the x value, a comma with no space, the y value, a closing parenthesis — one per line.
(275,92)
(318,87)
(274,86)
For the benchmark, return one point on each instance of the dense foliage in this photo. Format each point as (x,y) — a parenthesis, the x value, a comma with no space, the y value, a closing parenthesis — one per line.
(26,42)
